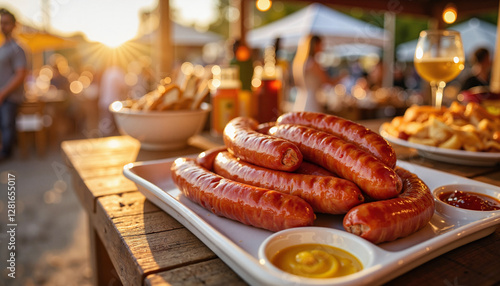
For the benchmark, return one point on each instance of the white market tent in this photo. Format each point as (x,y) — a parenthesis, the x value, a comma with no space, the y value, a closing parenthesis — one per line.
(333,26)
(355,50)
(475,33)
(184,36)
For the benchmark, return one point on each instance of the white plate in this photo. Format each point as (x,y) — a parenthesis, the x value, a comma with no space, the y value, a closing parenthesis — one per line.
(448,155)
(237,244)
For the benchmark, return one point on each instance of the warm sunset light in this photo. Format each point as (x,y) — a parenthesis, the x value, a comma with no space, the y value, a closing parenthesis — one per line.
(101,55)
(110,40)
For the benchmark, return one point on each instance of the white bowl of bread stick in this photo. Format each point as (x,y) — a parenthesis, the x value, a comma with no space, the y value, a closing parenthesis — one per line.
(164,119)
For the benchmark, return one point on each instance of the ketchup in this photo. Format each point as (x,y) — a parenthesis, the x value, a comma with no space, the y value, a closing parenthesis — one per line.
(470,201)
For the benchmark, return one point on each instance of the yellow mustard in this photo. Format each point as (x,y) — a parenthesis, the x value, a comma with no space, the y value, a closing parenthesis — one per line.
(316,261)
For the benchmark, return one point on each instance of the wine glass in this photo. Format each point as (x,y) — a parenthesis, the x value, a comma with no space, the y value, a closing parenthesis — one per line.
(439,58)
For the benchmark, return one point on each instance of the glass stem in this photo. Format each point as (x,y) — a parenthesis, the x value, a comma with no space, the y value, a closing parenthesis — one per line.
(437,93)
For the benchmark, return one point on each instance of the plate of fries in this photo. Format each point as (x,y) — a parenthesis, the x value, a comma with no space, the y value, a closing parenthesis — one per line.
(461,134)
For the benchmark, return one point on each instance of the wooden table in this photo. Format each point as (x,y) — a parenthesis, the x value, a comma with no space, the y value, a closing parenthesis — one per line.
(133,242)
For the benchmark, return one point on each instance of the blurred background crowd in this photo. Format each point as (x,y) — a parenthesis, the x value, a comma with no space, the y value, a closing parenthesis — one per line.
(341,54)
(77,78)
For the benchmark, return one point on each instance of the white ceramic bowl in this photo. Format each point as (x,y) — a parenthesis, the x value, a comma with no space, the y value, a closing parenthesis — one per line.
(160,130)
(460,213)
(355,245)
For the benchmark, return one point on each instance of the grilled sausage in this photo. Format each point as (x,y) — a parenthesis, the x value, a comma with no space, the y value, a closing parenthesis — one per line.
(244,142)
(325,194)
(350,131)
(206,158)
(374,178)
(308,168)
(247,204)
(388,220)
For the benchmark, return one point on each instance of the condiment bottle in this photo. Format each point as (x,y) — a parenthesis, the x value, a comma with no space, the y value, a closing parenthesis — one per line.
(224,97)
(243,60)
(269,91)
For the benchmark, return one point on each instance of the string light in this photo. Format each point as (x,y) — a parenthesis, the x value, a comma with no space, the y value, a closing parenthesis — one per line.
(263,5)
(450,14)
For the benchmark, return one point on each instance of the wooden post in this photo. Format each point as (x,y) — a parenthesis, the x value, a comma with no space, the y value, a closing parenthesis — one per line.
(495,69)
(236,24)
(165,52)
(244,9)
(389,26)
(238,28)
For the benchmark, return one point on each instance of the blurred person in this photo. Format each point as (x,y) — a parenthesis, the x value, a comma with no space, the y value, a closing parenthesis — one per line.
(309,76)
(112,88)
(481,66)
(399,77)
(284,68)
(13,72)
(58,80)
(376,76)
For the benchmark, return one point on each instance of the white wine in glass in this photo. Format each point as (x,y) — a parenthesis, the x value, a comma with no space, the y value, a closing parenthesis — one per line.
(439,58)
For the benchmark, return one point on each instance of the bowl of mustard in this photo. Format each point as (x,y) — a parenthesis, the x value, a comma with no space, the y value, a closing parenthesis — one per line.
(315,253)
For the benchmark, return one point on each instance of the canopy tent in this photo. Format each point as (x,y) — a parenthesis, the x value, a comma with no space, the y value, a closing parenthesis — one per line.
(355,50)
(184,36)
(475,33)
(333,26)
(38,41)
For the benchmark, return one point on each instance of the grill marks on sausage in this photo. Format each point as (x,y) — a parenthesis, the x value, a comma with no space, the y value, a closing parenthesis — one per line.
(345,159)
(349,131)
(325,194)
(244,203)
(387,220)
(260,149)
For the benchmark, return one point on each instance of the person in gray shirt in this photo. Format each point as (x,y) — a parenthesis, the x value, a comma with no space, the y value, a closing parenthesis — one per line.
(13,71)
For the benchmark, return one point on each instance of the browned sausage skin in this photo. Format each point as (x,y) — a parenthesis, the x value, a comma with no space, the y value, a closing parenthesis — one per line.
(264,127)
(206,158)
(244,142)
(350,131)
(372,176)
(244,203)
(325,194)
(388,220)
(308,168)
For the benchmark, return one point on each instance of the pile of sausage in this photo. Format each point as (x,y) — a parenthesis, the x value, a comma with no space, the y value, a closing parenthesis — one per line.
(277,175)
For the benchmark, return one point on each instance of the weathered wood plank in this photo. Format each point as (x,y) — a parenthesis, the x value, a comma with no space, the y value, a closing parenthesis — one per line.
(145,223)
(99,146)
(90,189)
(167,250)
(127,204)
(454,268)
(101,172)
(110,160)
(161,246)
(490,178)
(110,185)
(147,246)
(206,273)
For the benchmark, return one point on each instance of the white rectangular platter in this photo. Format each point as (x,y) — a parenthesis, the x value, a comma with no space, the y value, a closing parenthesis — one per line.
(237,244)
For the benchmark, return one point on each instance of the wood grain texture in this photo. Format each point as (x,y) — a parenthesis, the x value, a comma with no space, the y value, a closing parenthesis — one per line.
(208,273)
(141,240)
(137,243)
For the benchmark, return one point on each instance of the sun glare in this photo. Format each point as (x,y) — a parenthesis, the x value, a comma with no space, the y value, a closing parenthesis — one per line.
(100,55)
(111,39)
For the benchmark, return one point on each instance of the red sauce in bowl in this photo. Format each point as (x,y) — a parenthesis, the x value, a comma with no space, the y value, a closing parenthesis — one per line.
(470,201)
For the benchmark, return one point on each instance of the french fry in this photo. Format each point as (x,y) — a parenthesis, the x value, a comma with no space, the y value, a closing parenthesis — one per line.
(452,143)
(458,127)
